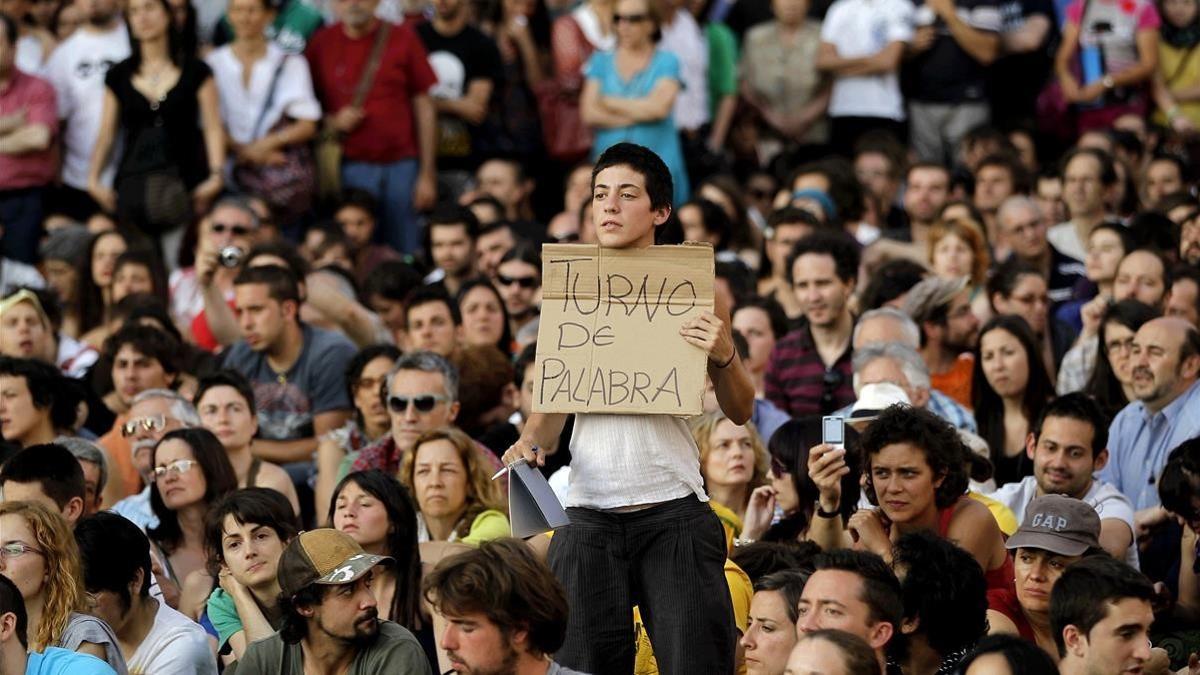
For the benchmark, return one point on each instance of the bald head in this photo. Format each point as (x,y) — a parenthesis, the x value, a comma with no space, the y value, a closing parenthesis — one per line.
(1165,359)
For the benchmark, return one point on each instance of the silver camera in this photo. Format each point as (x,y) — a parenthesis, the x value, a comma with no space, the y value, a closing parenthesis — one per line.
(231,256)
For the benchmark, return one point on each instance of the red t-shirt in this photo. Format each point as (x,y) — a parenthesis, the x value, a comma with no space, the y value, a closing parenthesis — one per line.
(1004,600)
(36,97)
(387,132)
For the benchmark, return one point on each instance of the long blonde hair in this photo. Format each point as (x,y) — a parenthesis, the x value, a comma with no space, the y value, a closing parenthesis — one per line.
(63,590)
(482,492)
(702,430)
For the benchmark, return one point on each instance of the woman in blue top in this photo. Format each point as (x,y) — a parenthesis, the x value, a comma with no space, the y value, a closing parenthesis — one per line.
(630,91)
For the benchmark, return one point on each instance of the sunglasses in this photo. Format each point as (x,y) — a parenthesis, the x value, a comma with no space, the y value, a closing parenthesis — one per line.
(528,283)
(423,403)
(629,18)
(235,230)
(830,381)
(178,467)
(148,423)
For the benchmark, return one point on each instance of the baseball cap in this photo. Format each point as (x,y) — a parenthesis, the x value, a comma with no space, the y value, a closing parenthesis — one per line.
(930,294)
(325,556)
(1059,524)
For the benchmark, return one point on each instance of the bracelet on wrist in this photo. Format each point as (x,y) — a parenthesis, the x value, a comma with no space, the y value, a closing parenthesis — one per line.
(731,358)
(739,542)
(822,513)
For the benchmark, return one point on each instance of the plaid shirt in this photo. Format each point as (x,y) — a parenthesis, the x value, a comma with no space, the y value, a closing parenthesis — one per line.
(798,382)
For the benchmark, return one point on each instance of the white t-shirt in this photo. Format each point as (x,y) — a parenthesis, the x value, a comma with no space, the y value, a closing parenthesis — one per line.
(241,105)
(860,28)
(76,69)
(29,55)
(1064,238)
(684,39)
(175,645)
(1106,499)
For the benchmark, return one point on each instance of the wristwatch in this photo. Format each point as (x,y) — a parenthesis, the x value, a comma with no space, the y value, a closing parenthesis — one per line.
(1107,81)
(822,513)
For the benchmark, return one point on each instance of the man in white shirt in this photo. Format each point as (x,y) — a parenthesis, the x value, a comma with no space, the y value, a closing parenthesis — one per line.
(1068,444)
(1089,177)
(862,42)
(76,69)
(153,637)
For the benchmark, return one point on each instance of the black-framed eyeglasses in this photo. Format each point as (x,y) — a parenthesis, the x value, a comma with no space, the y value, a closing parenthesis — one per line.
(528,283)
(423,403)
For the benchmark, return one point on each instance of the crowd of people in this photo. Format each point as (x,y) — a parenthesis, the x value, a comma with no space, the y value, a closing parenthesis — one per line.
(270,299)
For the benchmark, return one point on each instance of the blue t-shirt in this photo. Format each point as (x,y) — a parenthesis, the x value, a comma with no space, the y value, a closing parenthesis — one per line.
(661,136)
(55,661)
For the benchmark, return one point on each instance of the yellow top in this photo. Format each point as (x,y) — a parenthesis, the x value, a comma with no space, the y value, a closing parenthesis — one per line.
(1169,59)
(1004,516)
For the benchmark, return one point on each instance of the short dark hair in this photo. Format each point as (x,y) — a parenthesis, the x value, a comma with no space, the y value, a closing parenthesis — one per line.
(527,253)
(775,314)
(1179,483)
(294,626)
(1016,171)
(1082,594)
(504,581)
(761,558)
(42,379)
(880,588)
(219,479)
(659,183)
(943,588)
(927,166)
(789,584)
(792,215)
(835,244)
(891,280)
(10,32)
(226,378)
(1181,164)
(1108,169)
(51,465)
(1183,271)
(936,438)
(393,280)
(147,341)
(99,536)
(1023,656)
(1077,406)
(257,505)
(11,600)
(359,199)
(1004,277)
(281,283)
(452,214)
(279,248)
(524,360)
(425,295)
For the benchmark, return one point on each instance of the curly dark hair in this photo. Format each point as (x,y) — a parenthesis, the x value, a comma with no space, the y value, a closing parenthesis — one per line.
(943,587)
(840,246)
(944,450)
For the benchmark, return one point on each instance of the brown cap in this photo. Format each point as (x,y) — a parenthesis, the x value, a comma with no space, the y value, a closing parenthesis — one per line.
(1058,524)
(930,294)
(324,556)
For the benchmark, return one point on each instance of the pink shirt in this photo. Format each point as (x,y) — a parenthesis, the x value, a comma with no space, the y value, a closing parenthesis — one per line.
(36,97)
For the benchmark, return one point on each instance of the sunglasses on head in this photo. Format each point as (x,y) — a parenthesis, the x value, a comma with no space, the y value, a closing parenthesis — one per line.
(148,423)
(423,403)
(235,230)
(527,283)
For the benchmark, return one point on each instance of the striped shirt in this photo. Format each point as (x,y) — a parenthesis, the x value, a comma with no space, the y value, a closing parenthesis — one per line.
(798,382)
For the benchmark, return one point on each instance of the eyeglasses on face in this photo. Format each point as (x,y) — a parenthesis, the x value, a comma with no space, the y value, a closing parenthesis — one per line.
(17,549)
(423,403)
(147,423)
(527,283)
(235,230)
(178,467)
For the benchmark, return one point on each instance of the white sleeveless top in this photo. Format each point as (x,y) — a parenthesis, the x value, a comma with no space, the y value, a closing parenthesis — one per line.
(628,460)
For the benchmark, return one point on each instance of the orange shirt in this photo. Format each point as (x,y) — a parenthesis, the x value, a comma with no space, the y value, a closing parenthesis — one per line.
(120,458)
(956,382)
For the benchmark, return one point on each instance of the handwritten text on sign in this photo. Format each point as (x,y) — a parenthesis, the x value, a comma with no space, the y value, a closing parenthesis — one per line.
(609,334)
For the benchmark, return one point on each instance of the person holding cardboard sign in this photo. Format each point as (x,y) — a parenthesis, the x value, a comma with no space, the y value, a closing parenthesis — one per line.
(641,532)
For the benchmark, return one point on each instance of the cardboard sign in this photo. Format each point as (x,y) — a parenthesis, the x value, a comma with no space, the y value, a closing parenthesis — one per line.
(609,337)
(533,507)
